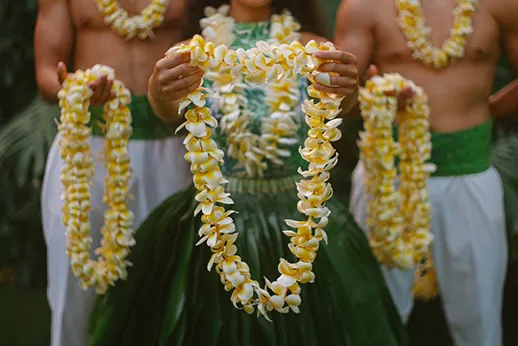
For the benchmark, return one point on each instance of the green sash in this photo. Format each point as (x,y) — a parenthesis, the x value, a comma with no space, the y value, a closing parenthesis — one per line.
(146,125)
(461,153)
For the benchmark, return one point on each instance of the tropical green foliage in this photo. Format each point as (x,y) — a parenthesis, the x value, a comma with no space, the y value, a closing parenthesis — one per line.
(17,19)
(23,146)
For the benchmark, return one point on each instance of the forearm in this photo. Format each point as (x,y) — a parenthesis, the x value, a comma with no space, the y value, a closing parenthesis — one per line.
(351,107)
(504,103)
(48,84)
(166,110)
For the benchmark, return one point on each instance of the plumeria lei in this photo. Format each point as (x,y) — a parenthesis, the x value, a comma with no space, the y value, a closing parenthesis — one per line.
(263,64)
(398,217)
(141,25)
(412,23)
(282,96)
(77,173)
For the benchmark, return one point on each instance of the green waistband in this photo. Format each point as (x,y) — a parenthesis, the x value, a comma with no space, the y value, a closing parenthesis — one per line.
(463,152)
(146,126)
(245,185)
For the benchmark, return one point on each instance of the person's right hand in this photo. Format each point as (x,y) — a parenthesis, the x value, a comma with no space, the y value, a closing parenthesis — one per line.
(173,78)
(101,87)
(404,96)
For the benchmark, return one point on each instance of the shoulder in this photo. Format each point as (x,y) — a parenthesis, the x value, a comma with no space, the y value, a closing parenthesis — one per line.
(357,10)
(305,37)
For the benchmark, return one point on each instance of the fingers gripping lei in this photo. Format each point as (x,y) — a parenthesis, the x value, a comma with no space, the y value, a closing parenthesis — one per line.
(77,173)
(398,217)
(266,63)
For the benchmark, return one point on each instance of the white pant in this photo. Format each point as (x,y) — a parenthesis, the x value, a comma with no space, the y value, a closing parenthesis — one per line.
(469,253)
(159,170)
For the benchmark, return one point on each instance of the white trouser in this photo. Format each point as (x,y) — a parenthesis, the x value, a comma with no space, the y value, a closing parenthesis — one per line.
(159,170)
(469,253)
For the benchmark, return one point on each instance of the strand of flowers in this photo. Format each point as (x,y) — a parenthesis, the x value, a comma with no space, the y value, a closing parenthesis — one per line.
(77,173)
(399,218)
(141,25)
(412,23)
(280,127)
(282,96)
(260,65)
(242,145)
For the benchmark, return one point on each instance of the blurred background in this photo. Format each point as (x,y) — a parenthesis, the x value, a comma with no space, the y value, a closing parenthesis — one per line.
(26,132)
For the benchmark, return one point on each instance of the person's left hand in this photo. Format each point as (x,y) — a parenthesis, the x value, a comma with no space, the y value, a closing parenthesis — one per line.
(404,97)
(341,75)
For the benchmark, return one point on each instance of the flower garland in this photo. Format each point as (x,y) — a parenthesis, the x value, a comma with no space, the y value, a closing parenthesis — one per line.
(77,173)
(141,25)
(412,23)
(399,218)
(266,63)
(282,96)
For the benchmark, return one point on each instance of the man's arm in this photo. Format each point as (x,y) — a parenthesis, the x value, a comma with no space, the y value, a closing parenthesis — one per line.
(53,42)
(505,102)
(354,34)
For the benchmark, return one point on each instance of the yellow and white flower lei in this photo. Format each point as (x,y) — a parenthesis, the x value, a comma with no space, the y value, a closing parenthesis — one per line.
(282,97)
(266,63)
(398,218)
(412,23)
(141,25)
(77,173)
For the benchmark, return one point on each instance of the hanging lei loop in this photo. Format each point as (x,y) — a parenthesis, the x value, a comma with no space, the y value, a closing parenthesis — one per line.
(266,63)
(253,151)
(141,25)
(412,23)
(398,218)
(77,173)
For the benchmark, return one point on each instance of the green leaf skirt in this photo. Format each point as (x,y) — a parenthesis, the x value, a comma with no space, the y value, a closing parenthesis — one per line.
(171,299)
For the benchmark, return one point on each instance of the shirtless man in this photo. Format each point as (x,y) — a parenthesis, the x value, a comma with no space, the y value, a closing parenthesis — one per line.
(466,196)
(72,31)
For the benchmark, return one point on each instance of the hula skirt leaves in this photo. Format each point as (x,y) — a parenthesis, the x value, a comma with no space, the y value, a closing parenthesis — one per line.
(171,299)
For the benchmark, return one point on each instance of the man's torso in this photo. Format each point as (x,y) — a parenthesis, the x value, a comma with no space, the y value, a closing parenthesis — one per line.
(458,95)
(133,60)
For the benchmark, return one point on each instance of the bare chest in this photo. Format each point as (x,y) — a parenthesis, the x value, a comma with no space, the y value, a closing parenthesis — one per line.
(391,46)
(85,14)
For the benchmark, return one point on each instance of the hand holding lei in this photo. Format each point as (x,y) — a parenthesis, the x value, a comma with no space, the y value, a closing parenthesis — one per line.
(398,218)
(77,173)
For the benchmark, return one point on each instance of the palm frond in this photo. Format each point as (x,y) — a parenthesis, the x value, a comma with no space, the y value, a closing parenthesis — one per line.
(25,141)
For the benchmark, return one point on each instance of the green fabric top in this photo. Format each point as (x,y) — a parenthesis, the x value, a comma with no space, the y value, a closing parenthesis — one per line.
(462,152)
(146,125)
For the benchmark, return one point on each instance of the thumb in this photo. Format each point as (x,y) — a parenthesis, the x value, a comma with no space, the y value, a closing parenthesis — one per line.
(62,71)
(371,72)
